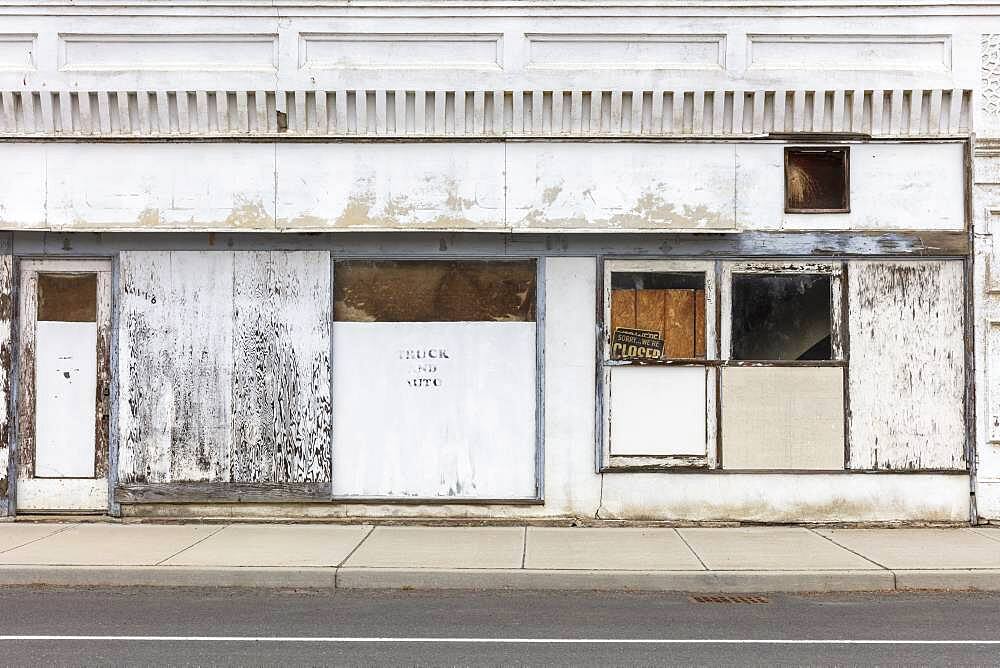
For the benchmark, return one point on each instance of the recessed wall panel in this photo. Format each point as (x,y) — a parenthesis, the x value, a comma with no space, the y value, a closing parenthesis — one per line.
(929,53)
(399,50)
(626,51)
(159,52)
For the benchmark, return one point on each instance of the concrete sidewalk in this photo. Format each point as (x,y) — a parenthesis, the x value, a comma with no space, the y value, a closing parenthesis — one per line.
(752,559)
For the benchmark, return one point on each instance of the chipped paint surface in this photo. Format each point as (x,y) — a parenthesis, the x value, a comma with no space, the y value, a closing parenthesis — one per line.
(907,365)
(520,187)
(6,313)
(214,391)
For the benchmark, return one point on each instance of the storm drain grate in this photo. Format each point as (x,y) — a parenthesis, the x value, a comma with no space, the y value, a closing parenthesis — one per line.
(729,598)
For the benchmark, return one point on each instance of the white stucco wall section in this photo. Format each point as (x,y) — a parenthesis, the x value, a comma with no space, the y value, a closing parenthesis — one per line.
(501,186)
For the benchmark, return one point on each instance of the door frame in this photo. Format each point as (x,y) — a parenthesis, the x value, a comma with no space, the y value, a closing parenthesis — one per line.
(23,450)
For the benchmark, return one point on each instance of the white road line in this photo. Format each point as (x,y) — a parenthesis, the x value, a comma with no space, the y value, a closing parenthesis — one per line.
(500,641)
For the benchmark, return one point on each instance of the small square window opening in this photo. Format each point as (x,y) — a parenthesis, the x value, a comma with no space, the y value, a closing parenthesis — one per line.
(817,180)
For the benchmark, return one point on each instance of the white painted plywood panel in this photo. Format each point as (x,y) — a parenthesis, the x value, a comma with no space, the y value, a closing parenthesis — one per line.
(783,418)
(907,365)
(65,399)
(62,494)
(390,186)
(619,187)
(657,410)
(459,424)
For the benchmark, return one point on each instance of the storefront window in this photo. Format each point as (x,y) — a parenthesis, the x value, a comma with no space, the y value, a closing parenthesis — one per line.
(657,315)
(434,377)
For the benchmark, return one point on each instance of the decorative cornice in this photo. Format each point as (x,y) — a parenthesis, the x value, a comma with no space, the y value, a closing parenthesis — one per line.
(477,113)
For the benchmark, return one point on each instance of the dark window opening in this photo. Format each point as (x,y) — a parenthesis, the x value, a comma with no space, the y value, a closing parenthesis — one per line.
(817,180)
(657,316)
(778,317)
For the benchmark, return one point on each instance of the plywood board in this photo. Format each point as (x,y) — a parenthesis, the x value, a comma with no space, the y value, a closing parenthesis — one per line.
(227,361)
(657,411)
(434,409)
(201,306)
(65,397)
(783,418)
(301,366)
(145,368)
(907,365)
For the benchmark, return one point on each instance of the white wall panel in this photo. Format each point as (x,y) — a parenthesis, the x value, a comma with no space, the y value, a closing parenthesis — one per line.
(653,51)
(819,52)
(400,186)
(403,50)
(617,187)
(167,52)
(460,424)
(892,187)
(160,186)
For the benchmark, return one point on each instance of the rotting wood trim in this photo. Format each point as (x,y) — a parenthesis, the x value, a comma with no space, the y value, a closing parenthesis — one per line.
(222,492)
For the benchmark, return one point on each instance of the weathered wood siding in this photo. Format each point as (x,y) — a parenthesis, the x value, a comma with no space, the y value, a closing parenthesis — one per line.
(224,366)
(6,313)
(907,365)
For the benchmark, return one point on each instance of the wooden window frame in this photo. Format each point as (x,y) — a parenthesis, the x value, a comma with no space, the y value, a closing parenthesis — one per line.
(608,462)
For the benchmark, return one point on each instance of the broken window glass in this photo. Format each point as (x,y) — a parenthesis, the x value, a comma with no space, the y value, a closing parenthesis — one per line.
(816,180)
(657,315)
(434,291)
(781,317)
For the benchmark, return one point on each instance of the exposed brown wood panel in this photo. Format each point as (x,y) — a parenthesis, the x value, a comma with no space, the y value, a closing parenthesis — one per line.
(649,305)
(67,297)
(699,323)
(622,309)
(678,323)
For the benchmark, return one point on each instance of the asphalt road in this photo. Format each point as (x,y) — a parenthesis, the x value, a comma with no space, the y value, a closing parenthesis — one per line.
(255,627)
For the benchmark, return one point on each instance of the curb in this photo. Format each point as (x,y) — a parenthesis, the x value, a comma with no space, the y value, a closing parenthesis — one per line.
(606,580)
(500,579)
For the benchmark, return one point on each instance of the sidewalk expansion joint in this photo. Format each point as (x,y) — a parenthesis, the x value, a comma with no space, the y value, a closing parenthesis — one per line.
(185,549)
(48,535)
(336,569)
(696,555)
(844,547)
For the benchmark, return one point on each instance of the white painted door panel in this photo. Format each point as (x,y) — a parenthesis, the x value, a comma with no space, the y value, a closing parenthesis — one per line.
(66,393)
(458,424)
(658,411)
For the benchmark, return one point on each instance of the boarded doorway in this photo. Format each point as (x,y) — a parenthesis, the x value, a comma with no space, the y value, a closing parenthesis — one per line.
(64,385)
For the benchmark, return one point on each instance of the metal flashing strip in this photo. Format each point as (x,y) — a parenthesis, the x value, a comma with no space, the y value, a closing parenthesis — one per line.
(402,113)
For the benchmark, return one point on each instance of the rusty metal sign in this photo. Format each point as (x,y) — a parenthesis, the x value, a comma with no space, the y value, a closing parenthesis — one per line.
(636,344)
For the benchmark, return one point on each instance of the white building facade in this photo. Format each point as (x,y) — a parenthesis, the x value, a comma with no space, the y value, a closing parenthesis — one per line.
(674,261)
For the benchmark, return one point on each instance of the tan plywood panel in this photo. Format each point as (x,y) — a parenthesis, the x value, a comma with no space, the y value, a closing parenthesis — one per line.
(783,418)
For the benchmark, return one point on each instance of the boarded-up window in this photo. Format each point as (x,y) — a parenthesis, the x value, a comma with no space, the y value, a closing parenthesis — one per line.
(434,388)
(780,317)
(67,297)
(418,291)
(657,315)
(817,180)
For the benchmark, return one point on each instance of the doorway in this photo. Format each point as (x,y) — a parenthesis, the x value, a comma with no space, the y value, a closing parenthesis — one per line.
(64,376)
